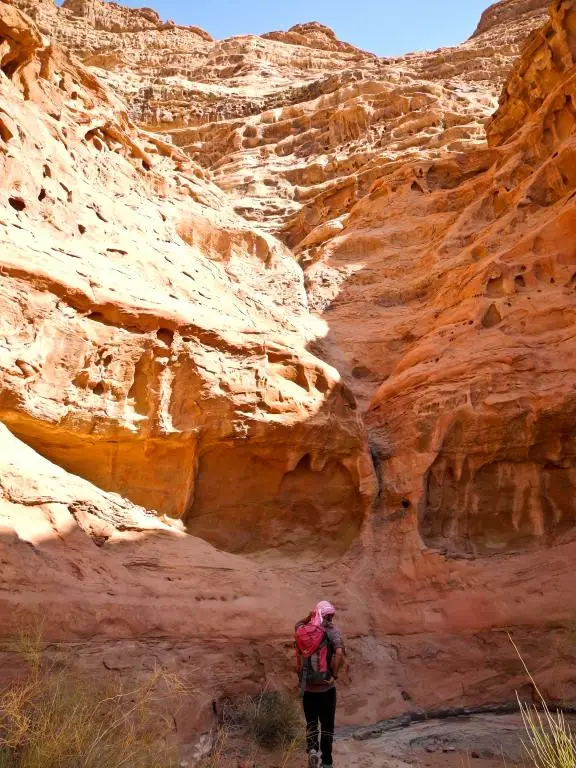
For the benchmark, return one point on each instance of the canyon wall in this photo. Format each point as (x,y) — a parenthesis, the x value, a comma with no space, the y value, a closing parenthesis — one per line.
(283,320)
(143,347)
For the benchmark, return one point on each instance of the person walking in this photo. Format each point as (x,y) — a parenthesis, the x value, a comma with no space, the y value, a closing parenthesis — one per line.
(320,655)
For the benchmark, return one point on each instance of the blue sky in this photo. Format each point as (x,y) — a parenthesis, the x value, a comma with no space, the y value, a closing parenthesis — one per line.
(386,27)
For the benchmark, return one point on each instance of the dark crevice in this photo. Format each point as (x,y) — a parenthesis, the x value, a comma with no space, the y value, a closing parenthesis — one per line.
(17,203)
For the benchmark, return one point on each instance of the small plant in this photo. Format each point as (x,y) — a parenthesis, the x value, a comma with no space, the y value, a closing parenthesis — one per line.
(549,742)
(272,719)
(57,719)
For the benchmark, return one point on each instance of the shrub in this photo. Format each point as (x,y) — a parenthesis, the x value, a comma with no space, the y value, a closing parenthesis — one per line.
(272,719)
(549,743)
(56,719)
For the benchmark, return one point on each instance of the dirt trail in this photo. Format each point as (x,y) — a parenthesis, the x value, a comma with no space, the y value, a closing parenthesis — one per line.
(476,741)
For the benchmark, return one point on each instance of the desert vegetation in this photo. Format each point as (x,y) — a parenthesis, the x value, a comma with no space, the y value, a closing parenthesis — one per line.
(55,718)
(548,742)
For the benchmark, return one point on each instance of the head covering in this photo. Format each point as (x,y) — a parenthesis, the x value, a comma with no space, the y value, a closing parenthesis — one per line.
(322,610)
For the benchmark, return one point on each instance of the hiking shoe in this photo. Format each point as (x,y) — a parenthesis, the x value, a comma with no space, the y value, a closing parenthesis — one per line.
(313,759)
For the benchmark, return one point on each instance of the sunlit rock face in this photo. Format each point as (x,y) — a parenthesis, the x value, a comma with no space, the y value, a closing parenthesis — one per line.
(310,337)
(154,344)
(448,290)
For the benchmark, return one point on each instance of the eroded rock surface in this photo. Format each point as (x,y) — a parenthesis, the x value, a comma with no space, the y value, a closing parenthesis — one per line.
(323,316)
(295,126)
(468,328)
(152,343)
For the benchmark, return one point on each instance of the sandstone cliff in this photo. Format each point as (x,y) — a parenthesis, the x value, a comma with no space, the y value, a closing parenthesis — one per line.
(320,322)
(143,335)
(449,294)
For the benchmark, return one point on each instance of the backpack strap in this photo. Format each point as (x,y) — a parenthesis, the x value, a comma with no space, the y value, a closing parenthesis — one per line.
(331,649)
(303,676)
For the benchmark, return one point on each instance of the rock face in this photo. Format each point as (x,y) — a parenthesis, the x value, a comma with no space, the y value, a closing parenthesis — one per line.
(125,592)
(457,275)
(295,126)
(469,326)
(320,323)
(143,336)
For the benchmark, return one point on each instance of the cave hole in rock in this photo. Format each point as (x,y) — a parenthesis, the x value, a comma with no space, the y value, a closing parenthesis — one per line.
(520,282)
(361,372)
(492,318)
(496,287)
(166,336)
(305,463)
(17,203)
(81,229)
(47,172)
(99,317)
(41,195)
(322,384)
(5,133)
(67,191)
(10,68)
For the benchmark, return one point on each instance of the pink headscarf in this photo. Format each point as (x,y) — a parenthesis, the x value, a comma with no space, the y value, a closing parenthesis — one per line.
(323,609)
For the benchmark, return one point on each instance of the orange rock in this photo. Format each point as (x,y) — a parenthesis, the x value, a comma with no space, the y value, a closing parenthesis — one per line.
(386,420)
(148,353)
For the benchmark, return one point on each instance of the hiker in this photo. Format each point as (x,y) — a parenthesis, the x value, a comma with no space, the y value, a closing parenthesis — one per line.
(320,654)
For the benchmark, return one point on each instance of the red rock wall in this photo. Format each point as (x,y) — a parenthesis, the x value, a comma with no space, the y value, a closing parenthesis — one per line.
(383,416)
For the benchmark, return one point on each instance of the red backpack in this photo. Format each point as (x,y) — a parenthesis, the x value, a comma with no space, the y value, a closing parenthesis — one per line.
(312,645)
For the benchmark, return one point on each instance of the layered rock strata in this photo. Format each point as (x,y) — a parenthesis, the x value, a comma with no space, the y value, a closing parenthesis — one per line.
(295,126)
(143,347)
(386,419)
(467,328)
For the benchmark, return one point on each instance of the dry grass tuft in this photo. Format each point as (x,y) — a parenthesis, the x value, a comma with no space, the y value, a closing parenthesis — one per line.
(55,719)
(272,719)
(549,741)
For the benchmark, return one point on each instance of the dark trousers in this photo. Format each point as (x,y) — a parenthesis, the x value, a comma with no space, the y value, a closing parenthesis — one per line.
(320,708)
